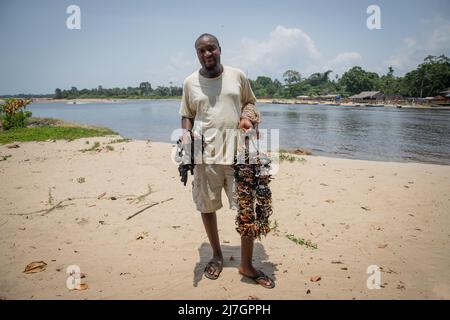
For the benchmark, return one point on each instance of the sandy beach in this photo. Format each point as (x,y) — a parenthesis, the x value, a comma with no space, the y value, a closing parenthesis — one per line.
(67,207)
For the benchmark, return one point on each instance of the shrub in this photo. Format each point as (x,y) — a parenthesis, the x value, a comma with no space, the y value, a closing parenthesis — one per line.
(13,113)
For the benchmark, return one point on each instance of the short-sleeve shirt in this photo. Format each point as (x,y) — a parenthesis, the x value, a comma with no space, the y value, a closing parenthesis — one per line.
(216,105)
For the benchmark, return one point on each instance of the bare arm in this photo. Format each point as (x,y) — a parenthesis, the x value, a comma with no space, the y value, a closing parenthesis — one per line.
(186,124)
(250,116)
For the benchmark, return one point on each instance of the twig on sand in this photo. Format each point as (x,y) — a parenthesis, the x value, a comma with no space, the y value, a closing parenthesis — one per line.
(101,195)
(147,207)
(45,211)
(28,213)
(59,205)
(53,208)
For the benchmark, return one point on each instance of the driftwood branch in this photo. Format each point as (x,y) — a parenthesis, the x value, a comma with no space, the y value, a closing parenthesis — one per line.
(147,207)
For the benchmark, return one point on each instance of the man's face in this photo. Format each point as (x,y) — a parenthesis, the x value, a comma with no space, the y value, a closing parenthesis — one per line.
(208,52)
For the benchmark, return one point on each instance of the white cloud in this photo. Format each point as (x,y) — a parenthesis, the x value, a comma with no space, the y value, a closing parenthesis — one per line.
(405,57)
(285,48)
(179,66)
(410,42)
(343,61)
(435,40)
(292,48)
(440,38)
(288,48)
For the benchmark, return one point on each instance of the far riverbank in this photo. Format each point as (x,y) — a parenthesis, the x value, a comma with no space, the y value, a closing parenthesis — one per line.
(259,100)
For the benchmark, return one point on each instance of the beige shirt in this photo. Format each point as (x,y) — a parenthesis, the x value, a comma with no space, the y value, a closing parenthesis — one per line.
(216,104)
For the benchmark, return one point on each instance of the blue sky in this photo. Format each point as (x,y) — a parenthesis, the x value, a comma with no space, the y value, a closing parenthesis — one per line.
(122,43)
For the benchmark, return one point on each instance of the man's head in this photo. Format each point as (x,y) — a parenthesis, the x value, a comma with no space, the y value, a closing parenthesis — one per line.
(208,51)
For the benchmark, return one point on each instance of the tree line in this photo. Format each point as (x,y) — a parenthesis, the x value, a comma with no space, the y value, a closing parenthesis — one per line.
(428,79)
(144,90)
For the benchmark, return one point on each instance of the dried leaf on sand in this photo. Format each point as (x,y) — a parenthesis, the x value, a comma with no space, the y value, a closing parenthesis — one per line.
(81,286)
(35,266)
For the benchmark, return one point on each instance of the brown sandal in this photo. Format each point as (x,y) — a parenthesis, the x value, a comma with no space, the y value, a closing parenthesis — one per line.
(215,265)
(261,276)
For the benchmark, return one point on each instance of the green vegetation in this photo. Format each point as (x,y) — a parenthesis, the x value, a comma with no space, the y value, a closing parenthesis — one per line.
(431,77)
(13,113)
(57,131)
(18,125)
(50,197)
(95,147)
(286,156)
(119,140)
(144,91)
(428,79)
(81,180)
(4,158)
(301,241)
(274,227)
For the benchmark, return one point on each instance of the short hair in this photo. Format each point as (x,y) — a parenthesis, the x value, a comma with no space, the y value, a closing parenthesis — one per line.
(209,36)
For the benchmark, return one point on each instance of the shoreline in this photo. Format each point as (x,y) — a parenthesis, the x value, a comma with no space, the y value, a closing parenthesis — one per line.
(298,151)
(348,104)
(358,212)
(259,100)
(96,100)
(292,152)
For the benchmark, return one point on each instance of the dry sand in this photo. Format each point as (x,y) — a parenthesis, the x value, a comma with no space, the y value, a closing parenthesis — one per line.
(359,213)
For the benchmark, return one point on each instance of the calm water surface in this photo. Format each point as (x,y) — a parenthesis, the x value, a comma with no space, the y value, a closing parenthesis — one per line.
(386,134)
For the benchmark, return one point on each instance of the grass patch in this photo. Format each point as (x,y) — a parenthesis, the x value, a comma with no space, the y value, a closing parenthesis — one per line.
(274,227)
(81,180)
(95,147)
(119,140)
(52,130)
(3,158)
(43,122)
(301,241)
(50,197)
(284,155)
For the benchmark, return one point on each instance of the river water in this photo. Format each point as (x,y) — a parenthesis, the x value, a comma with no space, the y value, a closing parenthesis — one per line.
(377,133)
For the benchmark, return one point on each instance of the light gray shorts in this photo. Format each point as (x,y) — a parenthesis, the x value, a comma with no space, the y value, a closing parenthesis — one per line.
(209,180)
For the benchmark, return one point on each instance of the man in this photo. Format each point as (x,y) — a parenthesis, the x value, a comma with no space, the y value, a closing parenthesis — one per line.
(217,100)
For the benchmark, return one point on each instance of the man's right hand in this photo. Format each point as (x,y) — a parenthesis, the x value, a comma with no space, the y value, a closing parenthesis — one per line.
(186,137)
